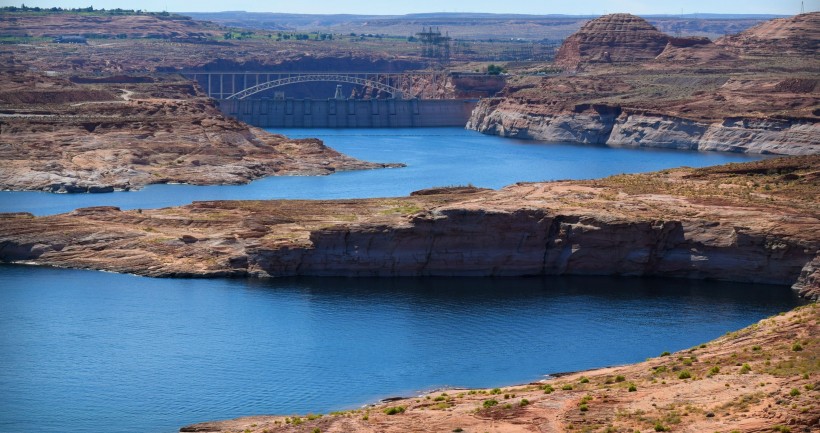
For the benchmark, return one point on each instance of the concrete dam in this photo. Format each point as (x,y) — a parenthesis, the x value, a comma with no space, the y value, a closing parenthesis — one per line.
(349,113)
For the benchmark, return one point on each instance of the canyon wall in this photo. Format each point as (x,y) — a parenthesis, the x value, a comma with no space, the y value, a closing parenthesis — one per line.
(617,127)
(461,242)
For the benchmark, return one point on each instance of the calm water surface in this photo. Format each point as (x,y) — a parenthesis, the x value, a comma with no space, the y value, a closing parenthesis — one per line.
(86,351)
(434,157)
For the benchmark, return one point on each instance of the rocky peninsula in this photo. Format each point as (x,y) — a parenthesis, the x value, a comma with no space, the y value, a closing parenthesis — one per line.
(755,222)
(83,133)
(630,85)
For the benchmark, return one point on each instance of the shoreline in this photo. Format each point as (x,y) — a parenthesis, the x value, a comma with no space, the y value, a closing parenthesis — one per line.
(744,381)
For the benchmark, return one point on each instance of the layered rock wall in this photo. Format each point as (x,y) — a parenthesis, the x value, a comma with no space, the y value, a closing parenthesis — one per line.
(461,242)
(615,127)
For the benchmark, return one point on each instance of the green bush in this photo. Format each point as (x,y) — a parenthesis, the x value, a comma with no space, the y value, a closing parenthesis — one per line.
(567,387)
(490,403)
(685,374)
(394,410)
(796,347)
(632,388)
(495,69)
(619,378)
(524,402)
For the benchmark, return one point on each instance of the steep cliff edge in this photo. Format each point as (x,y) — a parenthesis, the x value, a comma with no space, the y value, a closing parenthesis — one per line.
(624,127)
(629,89)
(756,222)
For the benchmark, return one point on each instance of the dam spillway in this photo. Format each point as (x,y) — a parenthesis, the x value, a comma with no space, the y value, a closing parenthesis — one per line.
(349,113)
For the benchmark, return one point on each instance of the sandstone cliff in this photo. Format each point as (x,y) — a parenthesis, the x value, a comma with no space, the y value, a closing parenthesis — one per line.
(622,127)
(756,222)
(612,38)
(797,35)
(652,90)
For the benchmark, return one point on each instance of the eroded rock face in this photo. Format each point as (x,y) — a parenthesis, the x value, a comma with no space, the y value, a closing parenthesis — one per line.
(797,35)
(678,93)
(613,127)
(755,222)
(614,38)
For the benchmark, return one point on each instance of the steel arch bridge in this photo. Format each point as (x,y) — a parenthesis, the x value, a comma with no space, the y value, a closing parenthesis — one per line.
(304,78)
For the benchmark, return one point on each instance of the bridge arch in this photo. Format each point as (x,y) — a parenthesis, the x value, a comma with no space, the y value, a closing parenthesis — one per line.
(304,78)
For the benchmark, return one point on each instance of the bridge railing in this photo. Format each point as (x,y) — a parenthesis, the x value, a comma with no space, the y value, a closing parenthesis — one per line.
(230,84)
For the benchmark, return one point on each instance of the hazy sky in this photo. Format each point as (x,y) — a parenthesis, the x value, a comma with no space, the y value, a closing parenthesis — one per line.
(392,7)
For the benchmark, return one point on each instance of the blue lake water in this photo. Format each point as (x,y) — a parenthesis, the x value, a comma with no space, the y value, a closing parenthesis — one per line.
(85,351)
(434,157)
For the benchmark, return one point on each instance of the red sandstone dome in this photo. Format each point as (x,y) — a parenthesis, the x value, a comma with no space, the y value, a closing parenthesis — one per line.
(612,38)
(799,34)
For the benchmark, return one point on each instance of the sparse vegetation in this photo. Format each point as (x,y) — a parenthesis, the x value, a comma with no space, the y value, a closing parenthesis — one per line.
(394,410)
(490,403)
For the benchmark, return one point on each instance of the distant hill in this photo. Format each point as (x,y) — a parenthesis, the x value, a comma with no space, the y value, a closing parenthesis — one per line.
(475,25)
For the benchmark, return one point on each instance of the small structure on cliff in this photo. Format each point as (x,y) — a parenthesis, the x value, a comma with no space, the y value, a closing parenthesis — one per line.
(434,45)
(70,40)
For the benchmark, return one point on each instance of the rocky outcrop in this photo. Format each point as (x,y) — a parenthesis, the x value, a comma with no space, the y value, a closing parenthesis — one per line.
(588,125)
(766,136)
(797,35)
(670,92)
(616,127)
(808,284)
(746,222)
(92,135)
(614,38)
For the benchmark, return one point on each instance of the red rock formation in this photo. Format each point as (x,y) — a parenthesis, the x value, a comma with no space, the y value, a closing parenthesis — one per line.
(797,35)
(612,38)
